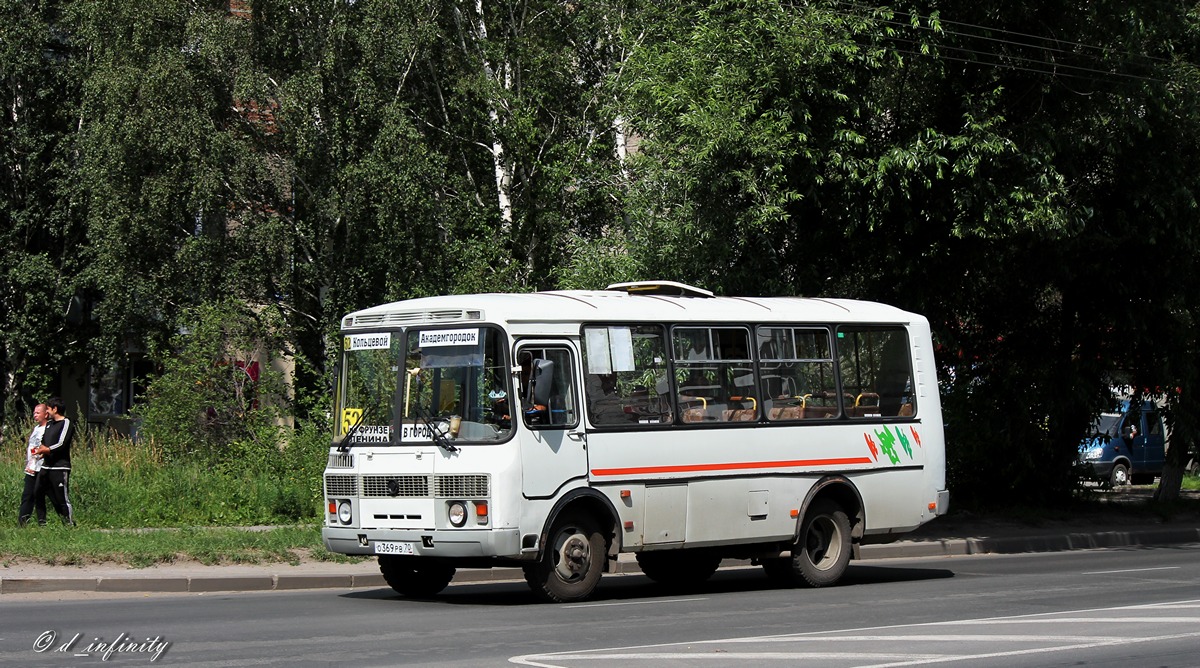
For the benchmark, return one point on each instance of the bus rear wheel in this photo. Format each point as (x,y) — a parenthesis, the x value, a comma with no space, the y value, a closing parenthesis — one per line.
(572,560)
(412,580)
(821,554)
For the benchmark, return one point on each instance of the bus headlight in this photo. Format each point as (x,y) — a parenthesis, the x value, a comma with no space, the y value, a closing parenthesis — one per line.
(344,513)
(458,513)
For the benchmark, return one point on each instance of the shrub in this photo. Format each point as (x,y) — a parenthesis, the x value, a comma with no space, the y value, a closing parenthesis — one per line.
(218,386)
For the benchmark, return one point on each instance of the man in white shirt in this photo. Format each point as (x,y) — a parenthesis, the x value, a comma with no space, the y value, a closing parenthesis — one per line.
(33,464)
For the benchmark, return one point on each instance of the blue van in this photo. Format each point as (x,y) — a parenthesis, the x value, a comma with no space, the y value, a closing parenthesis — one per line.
(1125,447)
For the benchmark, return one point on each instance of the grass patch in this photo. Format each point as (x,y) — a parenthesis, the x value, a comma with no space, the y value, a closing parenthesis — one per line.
(58,545)
(117,483)
(135,505)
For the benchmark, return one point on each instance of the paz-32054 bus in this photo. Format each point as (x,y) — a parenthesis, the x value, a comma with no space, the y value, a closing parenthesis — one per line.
(555,430)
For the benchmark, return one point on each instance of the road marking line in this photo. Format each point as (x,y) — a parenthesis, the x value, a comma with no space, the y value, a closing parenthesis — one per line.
(579,606)
(955,637)
(1161,606)
(906,659)
(1132,570)
(528,660)
(1077,620)
(534,659)
(1044,650)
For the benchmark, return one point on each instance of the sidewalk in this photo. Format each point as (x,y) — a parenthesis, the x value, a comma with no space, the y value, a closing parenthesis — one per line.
(942,537)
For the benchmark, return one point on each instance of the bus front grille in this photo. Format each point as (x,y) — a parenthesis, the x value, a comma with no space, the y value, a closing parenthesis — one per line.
(395,485)
(460,486)
(471,486)
(341,485)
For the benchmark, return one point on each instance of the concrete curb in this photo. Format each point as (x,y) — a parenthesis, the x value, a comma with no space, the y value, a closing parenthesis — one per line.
(1025,544)
(331,579)
(190,584)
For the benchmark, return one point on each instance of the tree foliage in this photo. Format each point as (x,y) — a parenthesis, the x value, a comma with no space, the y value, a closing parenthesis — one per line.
(1025,176)
(35,99)
(1034,196)
(219,384)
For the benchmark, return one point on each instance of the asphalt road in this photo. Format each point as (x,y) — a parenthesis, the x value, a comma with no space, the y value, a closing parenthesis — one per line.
(1115,607)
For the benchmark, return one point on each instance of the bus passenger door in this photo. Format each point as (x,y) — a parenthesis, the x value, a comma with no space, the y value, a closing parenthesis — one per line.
(553,446)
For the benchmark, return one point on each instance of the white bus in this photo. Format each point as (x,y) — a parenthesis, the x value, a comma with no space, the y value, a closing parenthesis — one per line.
(555,430)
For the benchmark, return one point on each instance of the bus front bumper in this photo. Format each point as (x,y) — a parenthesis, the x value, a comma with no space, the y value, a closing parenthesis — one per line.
(450,544)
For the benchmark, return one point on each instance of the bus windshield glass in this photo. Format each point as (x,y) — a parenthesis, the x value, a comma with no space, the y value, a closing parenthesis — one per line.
(369,373)
(455,380)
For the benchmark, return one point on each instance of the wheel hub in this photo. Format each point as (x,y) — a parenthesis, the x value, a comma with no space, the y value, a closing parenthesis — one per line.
(573,557)
(820,543)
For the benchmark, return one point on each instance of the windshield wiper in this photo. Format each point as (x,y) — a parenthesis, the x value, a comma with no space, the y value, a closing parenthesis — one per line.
(344,446)
(436,434)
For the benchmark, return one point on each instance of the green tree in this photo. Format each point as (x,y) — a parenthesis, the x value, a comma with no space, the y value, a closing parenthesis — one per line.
(159,167)
(1025,176)
(1006,185)
(431,147)
(37,220)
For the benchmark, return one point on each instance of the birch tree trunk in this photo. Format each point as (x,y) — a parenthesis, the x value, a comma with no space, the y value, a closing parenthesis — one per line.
(502,78)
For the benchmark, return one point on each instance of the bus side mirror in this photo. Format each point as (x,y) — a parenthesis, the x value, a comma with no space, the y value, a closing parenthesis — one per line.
(542,383)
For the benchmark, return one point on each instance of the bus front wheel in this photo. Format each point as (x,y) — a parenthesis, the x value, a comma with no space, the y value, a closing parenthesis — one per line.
(414,581)
(572,560)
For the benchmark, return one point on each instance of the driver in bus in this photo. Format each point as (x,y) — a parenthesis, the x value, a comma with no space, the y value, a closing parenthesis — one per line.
(535,413)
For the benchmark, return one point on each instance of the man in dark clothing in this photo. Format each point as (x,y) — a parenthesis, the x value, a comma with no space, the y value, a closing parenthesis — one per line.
(54,478)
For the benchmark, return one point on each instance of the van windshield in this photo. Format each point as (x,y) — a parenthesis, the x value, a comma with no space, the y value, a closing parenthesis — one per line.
(1106,425)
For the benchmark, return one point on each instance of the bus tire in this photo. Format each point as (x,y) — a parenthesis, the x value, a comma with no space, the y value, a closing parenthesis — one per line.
(414,581)
(822,553)
(572,560)
(676,568)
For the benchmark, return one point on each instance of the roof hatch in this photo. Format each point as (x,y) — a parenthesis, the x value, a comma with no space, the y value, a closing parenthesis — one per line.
(660,288)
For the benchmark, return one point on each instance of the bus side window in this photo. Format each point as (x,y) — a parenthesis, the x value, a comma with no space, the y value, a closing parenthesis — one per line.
(548,398)
(714,375)
(876,371)
(797,373)
(625,374)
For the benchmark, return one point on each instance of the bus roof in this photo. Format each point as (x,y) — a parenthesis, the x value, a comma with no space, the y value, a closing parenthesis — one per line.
(620,305)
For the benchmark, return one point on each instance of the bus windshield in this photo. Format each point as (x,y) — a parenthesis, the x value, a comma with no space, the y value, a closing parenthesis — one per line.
(451,380)
(367,387)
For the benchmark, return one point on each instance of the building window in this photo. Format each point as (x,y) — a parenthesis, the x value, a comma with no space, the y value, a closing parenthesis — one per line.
(112,390)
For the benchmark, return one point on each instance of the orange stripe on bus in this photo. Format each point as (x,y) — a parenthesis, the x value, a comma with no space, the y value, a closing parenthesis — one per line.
(731,466)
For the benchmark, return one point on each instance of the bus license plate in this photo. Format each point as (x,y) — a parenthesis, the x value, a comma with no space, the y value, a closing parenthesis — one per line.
(392,547)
